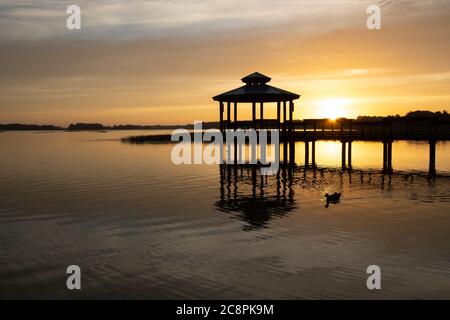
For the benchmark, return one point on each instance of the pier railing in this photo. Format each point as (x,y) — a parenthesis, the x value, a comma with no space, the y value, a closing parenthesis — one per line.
(387,129)
(349,129)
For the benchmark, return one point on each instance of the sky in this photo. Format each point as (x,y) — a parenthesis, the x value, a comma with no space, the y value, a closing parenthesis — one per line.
(160,62)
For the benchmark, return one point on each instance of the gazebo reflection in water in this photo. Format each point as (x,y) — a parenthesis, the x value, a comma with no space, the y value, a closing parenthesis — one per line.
(255,197)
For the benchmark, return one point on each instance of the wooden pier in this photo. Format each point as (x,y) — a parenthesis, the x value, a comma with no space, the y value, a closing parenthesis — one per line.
(386,131)
(346,131)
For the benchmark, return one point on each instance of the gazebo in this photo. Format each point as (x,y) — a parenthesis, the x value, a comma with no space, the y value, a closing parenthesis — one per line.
(257,91)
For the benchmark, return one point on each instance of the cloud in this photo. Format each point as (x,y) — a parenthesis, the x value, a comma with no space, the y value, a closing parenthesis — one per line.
(114,19)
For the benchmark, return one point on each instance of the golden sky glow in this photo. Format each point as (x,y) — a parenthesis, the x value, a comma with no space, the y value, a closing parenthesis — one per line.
(149,62)
(332,108)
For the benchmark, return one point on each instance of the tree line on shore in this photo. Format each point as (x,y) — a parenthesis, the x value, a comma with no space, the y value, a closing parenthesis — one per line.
(99,127)
(444,115)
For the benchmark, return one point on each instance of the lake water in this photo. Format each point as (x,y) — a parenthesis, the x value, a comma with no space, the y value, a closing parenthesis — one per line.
(142,227)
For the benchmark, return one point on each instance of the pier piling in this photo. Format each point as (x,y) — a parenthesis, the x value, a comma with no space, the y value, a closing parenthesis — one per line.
(349,155)
(306,153)
(343,154)
(432,160)
(313,153)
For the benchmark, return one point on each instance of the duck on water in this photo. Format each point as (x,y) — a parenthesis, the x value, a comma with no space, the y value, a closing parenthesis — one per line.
(332,198)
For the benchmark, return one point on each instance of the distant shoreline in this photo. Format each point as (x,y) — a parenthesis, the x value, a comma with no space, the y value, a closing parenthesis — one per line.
(413,115)
(99,127)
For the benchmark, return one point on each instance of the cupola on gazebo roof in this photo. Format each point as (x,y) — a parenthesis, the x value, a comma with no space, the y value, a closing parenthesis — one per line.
(256,89)
(256,78)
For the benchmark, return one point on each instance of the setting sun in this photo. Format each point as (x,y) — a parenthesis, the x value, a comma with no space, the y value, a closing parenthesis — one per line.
(332,108)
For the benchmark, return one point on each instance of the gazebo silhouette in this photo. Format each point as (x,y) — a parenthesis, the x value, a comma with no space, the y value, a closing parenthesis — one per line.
(257,91)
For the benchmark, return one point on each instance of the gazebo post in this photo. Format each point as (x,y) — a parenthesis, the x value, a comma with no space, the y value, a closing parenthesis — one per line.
(291,136)
(284,118)
(261,113)
(235,115)
(221,116)
(278,114)
(254,113)
(228,114)
(291,113)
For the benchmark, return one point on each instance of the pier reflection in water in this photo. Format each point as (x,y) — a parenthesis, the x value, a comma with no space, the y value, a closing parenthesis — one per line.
(311,153)
(257,199)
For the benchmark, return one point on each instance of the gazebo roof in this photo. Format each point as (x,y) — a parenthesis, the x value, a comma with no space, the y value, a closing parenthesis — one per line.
(256,90)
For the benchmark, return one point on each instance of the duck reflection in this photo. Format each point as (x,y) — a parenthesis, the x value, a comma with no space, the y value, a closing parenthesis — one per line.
(255,198)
